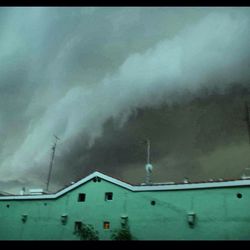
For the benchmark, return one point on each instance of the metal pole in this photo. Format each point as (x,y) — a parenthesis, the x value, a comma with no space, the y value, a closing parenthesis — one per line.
(148,151)
(148,173)
(247,120)
(51,163)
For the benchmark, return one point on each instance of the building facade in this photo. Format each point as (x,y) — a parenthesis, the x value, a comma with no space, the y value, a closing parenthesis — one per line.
(186,211)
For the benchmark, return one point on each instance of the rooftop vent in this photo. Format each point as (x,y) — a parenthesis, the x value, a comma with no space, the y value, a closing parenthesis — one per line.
(22,191)
(36,191)
(246,176)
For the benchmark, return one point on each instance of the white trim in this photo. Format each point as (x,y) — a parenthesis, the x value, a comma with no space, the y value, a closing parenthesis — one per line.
(187,186)
(161,187)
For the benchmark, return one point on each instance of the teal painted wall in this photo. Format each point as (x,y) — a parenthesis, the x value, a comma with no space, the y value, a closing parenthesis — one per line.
(219,214)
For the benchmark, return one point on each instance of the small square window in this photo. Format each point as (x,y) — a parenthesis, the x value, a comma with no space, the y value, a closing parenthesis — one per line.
(108,196)
(78,226)
(81,197)
(106,225)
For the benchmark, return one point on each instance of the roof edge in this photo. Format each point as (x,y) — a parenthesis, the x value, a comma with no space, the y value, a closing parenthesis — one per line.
(133,188)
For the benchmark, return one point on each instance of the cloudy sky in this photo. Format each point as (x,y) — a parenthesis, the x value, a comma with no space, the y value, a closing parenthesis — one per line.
(105,79)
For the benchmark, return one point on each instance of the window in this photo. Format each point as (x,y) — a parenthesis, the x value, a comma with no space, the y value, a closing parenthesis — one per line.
(239,195)
(95,179)
(81,197)
(78,226)
(64,219)
(106,225)
(108,196)
(152,203)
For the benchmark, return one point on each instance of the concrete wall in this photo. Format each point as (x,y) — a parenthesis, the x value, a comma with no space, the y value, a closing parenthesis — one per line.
(219,214)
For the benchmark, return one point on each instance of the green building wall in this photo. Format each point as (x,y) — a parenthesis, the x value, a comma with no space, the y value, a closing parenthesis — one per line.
(219,213)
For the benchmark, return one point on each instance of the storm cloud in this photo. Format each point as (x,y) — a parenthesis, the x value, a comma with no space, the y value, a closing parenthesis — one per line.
(103,79)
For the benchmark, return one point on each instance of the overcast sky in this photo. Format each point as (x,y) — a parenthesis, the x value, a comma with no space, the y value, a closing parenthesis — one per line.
(104,79)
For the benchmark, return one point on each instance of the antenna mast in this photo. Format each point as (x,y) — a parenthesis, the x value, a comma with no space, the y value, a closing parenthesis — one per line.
(247,119)
(51,162)
(149,167)
(148,151)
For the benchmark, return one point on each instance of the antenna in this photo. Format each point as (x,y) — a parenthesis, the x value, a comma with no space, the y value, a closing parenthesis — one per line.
(148,151)
(148,166)
(247,119)
(51,162)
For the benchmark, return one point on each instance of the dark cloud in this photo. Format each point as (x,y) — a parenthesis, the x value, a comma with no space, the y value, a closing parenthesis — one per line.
(103,79)
(180,135)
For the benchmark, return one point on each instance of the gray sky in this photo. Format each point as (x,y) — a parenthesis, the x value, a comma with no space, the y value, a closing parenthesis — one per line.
(104,79)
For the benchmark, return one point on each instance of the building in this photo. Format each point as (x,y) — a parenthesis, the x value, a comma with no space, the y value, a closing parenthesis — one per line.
(184,211)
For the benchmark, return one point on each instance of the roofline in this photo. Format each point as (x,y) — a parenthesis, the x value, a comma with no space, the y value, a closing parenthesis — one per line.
(133,188)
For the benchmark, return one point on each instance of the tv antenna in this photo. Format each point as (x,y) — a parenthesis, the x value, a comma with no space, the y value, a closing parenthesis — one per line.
(247,119)
(148,166)
(51,162)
